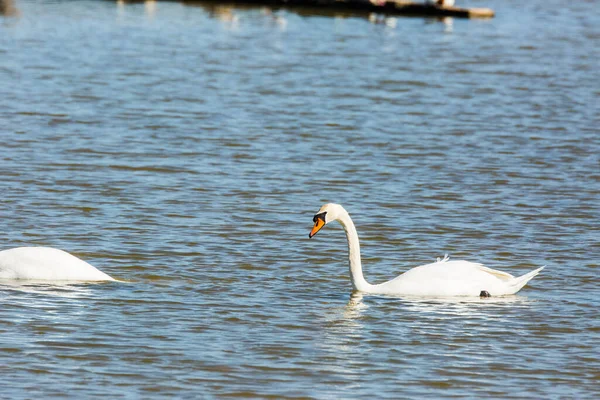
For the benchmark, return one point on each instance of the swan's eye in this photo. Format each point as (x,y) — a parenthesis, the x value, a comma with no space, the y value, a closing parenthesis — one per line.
(320,216)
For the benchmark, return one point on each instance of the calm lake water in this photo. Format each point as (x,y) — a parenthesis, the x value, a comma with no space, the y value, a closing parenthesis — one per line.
(184,148)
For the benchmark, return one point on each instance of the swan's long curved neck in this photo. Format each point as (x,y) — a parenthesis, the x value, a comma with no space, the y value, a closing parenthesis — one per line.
(356,275)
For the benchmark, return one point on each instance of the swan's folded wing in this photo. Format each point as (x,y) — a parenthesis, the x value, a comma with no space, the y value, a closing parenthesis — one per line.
(498,274)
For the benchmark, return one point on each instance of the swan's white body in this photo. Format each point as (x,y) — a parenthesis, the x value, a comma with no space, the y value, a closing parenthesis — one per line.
(46,264)
(442,278)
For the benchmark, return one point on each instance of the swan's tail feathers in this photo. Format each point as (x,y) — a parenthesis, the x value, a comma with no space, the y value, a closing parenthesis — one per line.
(518,282)
(446,258)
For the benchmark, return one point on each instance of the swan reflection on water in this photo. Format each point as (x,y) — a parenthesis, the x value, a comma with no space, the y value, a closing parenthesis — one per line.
(66,289)
(355,307)
(451,304)
(466,307)
(346,325)
(405,328)
(149,7)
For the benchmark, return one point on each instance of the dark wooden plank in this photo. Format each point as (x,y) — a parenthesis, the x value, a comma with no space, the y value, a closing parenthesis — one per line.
(406,8)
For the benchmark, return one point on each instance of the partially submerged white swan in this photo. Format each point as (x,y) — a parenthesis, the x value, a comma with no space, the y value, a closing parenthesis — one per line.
(46,264)
(442,278)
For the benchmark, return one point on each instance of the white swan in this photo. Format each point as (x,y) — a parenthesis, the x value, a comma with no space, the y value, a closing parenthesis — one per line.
(442,278)
(46,264)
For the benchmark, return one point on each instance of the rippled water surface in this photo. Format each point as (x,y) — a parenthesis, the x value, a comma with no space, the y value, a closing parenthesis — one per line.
(183,148)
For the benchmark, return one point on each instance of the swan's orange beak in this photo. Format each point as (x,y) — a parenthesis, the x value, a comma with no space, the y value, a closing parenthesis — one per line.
(319,223)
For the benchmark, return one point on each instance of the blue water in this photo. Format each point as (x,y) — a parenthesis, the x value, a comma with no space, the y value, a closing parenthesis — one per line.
(184,148)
